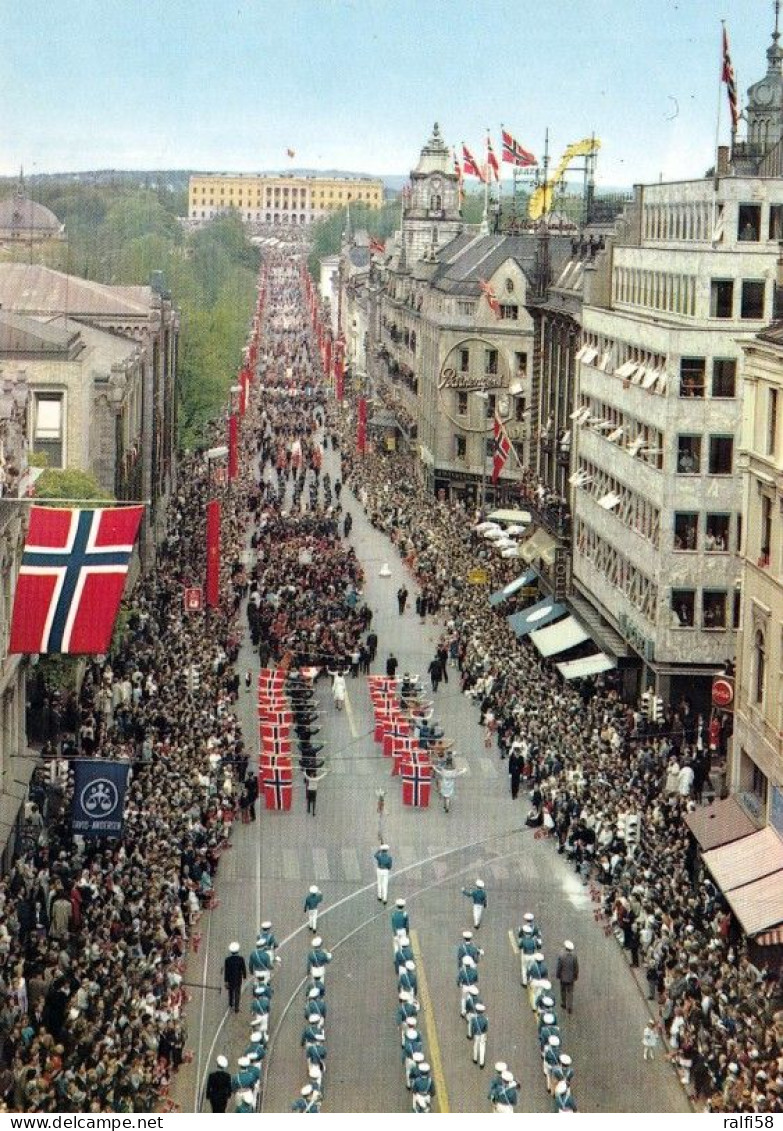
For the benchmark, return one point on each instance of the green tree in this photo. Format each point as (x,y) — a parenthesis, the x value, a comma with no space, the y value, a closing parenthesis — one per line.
(70,483)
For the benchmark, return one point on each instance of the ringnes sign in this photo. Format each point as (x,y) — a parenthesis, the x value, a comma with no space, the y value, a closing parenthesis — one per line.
(723,692)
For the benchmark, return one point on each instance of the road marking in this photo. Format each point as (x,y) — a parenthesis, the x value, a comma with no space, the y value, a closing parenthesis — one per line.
(349,713)
(512,942)
(290,864)
(441,1095)
(351,867)
(321,864)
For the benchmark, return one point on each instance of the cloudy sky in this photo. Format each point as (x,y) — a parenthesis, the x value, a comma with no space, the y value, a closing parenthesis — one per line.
(357,84)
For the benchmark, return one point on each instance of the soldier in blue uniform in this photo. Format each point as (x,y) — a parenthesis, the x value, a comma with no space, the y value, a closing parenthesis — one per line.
(543,1002)
(318,959)
(383,865)
(315,1001)
(399,922)
(246,1103)
(472,999)
(259,1009)
(404,953)
(266,937)
(467,977)
(478,1027)
(497,1079)
(308,1100)
(407,1009)
(246,1077)
(411,1044)
(551,1060)
(537,972)
(467,946)
(256,1048)
(478,896)
(313,1032)
(422,1089)
(528,946)
(261,963)
(506,1094)
(547,1027)
(407,978)
(562,1071)
(312,901)
(564,1101)
(316,1064)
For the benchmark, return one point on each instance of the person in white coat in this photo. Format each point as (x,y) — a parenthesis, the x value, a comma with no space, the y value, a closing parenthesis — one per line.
(338,688)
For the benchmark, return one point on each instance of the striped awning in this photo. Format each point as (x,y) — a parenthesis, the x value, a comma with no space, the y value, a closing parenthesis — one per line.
(758,906)
(536,616)
(559,637)
(747,860)
(719,823)
(770,938)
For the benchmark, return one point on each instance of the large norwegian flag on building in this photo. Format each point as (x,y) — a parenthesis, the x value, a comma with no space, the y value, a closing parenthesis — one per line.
(502,448)
(72,578)
(514,154)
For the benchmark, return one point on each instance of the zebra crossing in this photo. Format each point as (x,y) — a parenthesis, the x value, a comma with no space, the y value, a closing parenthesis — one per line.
(421,865)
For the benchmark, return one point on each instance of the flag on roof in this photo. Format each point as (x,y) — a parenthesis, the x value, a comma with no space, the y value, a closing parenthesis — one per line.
(727,76)
(514,153)
(72,578)
(489,294)
(469,165)
(492,161)
(502,448)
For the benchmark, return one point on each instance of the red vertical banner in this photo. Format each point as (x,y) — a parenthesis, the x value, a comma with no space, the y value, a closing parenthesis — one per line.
(233,446)
(213,554)
(244,385)
(339,372)
(361,426)
(328,359)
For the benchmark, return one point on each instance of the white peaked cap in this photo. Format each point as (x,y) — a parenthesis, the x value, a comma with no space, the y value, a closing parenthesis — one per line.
(424,1067)
(266,925)
(529,917)
(234,948)
(501,1066)
(247,1097)
(222,1062)
(480,1007)
(479,883)
(467,934)
(306,1090)
(568,944)
(554,1041)
(313,891)
(507,1076)
(410,964)
(317,940)
(562,1087)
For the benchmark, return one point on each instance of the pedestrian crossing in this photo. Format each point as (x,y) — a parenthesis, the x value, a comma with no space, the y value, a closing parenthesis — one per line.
(421,865)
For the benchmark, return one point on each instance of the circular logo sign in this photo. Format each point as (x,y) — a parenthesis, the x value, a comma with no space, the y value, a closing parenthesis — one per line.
(100,798)
(722,691)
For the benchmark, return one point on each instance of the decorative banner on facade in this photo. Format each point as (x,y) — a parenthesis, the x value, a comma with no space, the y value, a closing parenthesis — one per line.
(213,554)
(339,371)
(233,446)
(361,426)
(72,578)
(98,797)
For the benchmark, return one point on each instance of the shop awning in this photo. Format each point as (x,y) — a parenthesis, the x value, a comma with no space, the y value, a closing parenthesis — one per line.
(588,665)
(747,860)
(539,545)
(719,823)
(501,595)
(771,938)
(536,616)
(559,637)
(758,906)
(524,518)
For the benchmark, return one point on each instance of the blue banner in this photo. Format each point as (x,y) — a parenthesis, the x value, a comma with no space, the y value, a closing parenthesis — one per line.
(98,797)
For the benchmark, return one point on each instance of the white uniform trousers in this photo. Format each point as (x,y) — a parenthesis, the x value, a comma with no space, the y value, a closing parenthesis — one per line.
(478,911)
(465,992)
(480,1049)
(312,918)
(398,935)
(382,878)
(525,961)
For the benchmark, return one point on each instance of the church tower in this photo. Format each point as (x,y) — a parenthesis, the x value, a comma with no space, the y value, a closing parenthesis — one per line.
(765,100)
(431,217)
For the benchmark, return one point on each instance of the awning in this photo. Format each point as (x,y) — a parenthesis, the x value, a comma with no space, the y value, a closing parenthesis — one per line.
(538,545)
(524,518)
(744,861)
(759,905)
(771,938)
(719,823)
(559,637)
(501,595)
(535,617)
(588,665)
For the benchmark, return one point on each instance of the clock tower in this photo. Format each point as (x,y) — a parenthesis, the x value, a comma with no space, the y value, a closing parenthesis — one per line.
(765,100)
(432,216)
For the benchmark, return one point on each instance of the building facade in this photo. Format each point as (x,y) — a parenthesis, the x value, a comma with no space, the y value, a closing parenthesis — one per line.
(278,198)
(757,762)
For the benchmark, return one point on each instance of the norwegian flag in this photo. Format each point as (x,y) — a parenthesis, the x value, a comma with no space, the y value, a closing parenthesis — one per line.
(469,164)
(727,76)
(488,292)
(458,175)
(514,154)
(72,578)
(492,161)
(502,448)
(278,787)
(416,784)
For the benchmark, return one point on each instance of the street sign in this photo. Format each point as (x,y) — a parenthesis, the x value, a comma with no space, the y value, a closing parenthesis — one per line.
(193,599)
(723,692)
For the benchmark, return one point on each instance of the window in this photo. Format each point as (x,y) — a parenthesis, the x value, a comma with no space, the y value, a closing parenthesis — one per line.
(48,427)
(464,360)
(468,309)
(736,608)
(520,359)
(772,423)
(765,533)
(492,401)
(713,608)
(683,606)
(688,455)
(462,404)
(752,298)
(724,377)
(491,361)
(489,448)
(459,447)
(716,536)
(721,298)
(749,223)
(520,408)
(721,455)
(686,530)
(692,373)
(509,312)
(775,222)
(759,666)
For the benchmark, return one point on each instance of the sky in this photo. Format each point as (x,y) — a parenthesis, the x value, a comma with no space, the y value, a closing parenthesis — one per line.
(229,85)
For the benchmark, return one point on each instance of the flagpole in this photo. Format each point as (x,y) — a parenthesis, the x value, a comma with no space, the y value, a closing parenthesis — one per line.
(717,136)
